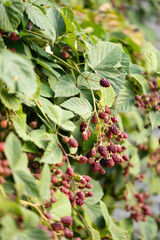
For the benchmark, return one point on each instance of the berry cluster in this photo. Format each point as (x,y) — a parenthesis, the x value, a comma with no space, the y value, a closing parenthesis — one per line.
(150,101)
(140,210)
(107,151)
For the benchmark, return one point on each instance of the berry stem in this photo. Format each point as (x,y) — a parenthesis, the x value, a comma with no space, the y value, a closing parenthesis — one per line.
(83,221)
(33,205)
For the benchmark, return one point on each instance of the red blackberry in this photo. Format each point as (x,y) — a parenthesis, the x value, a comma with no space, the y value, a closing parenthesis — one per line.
(64,54)
(83,127)
(73,143)
(114,119)
(102,171)
(114,129)
(84,136)
(125,157)
(105,83)
(83,159)
(96,167)
(102,150)
(112,148)
(107,110)
(137,97)
(110,163)
(67,220)
(87,178)
(3,124)
(79,202)
(89,185)
(95,119)
(68,233)
(56,226)
(33,124)
(2,146)
(66,48)
(115,158)
(102,115)
(53,179)
(70,171)
(14,37)
(81,195)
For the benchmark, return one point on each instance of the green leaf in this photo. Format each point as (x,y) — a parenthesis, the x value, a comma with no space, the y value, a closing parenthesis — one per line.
(94,212)
(17,73)
(10,101)
(45,182)
(53,153)
(154,117)
(107,96)
(148,229)
(66,87)
(30,219)
(57,21)
(2,45)
(10,15)
(40,20)
(105,59)
(39,137)
(95,234)
(126,98)
(136,162)
(26,182)
(81,106)
(12,149)
(97,191)
(58,115)
(87,145)
(10,231)
(93,79)
(142,82)
(45,91)
(116,232)
(62,207)
(21,127)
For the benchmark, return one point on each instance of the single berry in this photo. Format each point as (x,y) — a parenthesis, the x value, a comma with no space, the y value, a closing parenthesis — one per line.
(102,150)
(3,124)
(56,226)
(66,48)
(115,158)
(94,119)
(73,143)
(70,171)
(65,139)
(33,124)
(79,202)
(2,146)
(102,115)
(105,83)
(67,220)
(68,233)
(89,194)
(87,178)
(14,37)
(125,157)
(89,185)
(110,163)
(107,110)
(53,179)
(137,97)
(83,159)
(84,136)
(114,129)
(102,171)
(83,127)
(103,162)
(96,167)
(81,195)
(114,119)
(53,200)
(64,54)
(125,135)
(58,171)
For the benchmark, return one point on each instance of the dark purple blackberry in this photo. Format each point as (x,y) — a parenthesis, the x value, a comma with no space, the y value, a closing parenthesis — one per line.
(114,129)
(105,83)
(96,167)
(102,150)
(103,162)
